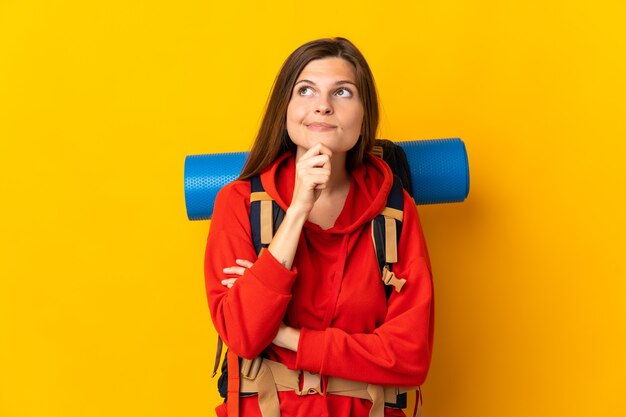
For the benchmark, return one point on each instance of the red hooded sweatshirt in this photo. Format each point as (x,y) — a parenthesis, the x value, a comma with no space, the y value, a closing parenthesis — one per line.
(334,293)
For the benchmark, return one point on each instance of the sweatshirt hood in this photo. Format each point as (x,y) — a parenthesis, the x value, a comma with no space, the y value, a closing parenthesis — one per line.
(370,185)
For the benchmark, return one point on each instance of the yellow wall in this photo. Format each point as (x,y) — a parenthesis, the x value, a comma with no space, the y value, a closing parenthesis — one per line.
(102,304)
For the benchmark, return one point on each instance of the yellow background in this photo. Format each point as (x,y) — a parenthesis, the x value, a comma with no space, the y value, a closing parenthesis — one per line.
(102,303)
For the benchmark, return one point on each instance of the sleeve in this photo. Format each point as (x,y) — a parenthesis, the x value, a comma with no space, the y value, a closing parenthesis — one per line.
(398,352)
(248,315)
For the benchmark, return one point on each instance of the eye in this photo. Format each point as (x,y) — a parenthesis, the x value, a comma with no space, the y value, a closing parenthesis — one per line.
(345,92)
(301,91)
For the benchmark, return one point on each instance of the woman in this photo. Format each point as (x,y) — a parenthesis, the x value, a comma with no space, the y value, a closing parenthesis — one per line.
(313,304)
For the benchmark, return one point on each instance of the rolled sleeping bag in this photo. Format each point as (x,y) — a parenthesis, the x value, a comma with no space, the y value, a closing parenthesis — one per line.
(439,173)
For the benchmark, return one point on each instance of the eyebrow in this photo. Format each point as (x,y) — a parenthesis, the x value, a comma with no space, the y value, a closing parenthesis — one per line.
(336,83)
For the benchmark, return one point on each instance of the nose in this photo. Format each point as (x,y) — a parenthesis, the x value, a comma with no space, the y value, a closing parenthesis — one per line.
(323,106)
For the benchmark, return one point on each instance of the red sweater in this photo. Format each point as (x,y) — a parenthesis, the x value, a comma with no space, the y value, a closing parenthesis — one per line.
(333,293)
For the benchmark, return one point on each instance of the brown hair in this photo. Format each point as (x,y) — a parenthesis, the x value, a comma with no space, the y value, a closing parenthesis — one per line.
(273,139)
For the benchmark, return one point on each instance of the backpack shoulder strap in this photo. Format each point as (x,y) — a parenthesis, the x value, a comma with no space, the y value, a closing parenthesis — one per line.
(386,229)
(265,215)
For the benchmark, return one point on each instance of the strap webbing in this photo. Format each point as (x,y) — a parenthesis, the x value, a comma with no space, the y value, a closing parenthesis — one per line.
(233,384)
(218,355)
(393,213)
(417,411)
(259,196)
(391,241)
(267,225)
(268,399)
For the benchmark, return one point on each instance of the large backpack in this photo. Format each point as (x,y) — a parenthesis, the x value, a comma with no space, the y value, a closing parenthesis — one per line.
(266,216)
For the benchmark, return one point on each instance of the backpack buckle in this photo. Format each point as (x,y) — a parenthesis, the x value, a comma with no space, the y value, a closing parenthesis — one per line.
(250,368)
(389,278)
(311,384)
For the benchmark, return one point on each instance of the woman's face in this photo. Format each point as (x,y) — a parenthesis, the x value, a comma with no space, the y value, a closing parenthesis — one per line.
(325,106)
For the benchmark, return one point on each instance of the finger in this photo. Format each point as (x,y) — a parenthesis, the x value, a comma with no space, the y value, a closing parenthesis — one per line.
(228,282)
(236,270)
(325,150)
(317,149)
(327,164)
(317,172)
(243,262)
(315,176)
(316,185)
(316,161)
(303,172)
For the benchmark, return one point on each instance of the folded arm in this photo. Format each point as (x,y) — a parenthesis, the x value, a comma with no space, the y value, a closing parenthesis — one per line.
(248,315)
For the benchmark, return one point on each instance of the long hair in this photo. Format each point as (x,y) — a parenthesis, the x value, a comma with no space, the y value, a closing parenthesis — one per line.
(273,139)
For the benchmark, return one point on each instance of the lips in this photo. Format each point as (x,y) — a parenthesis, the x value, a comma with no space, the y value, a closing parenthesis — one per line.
(321,126)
